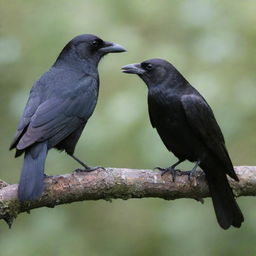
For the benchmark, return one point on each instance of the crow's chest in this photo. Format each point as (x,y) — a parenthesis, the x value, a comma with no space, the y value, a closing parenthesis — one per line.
(168,117)
(165,110)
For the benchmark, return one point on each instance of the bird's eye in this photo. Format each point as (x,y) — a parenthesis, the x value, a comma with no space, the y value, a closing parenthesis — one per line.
(148,67)
(96,43)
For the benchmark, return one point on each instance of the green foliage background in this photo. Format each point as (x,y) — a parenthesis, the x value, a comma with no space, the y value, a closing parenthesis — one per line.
(211,42)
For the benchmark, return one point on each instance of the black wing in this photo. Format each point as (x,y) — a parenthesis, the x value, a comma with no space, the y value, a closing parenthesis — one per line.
(58,117)
(203,123)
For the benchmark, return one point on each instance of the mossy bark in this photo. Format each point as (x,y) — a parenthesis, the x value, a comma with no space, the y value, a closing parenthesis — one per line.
(113,183)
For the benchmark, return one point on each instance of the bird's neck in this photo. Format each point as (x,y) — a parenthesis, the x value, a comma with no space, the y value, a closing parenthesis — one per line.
(177,80)
(171,84)
(74,62)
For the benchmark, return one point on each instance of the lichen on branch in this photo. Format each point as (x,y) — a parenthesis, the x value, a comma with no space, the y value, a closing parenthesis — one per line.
(122,183)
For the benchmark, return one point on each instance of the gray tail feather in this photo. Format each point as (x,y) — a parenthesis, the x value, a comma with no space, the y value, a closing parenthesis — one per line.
(32,175)
(226,208)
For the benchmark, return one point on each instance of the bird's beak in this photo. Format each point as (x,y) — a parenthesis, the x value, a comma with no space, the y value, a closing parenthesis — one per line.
(112,47)
(133,69)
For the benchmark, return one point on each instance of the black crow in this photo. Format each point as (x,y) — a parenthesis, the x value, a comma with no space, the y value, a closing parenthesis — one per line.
(188,128)
(58,108)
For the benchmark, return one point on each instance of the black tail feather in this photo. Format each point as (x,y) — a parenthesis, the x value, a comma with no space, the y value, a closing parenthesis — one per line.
(32,174)
(226,208)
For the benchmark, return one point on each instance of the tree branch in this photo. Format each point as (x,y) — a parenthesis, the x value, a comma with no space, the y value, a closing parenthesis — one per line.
(113,183)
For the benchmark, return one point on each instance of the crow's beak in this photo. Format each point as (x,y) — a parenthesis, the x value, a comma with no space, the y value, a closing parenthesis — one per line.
(112,47)
(133,69)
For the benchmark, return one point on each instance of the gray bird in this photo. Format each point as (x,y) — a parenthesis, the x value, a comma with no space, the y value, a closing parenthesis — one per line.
(58,108)
(188,128)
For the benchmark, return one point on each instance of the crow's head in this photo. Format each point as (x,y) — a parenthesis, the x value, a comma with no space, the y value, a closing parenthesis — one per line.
(89,47)
(152,72)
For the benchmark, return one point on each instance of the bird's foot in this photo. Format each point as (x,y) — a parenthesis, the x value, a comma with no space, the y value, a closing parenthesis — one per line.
(89,169)
(170,170)
(47,176)
(86,167)
(191,174)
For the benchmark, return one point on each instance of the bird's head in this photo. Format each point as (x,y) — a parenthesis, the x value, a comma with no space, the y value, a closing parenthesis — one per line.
(89,47)
(152,72)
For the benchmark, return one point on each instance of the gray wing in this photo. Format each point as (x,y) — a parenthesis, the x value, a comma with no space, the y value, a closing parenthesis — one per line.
(204,125)
(57,117)
(31,107)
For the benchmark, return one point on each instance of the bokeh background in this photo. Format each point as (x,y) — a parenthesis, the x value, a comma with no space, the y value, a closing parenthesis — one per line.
(211,42)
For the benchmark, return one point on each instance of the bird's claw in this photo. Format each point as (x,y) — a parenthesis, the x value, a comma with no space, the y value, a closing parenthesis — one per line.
(191,174)
(172,171)
(96,168)
(47,176)
(89,169)
(159,168)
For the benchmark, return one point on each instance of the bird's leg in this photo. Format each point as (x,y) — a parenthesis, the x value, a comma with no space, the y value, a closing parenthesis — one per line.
(80,162)
(192,172)
(86,167)
(170,169)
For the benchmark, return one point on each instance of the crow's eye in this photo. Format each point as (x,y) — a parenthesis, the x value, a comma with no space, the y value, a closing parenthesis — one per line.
(96,43)
(147,66)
